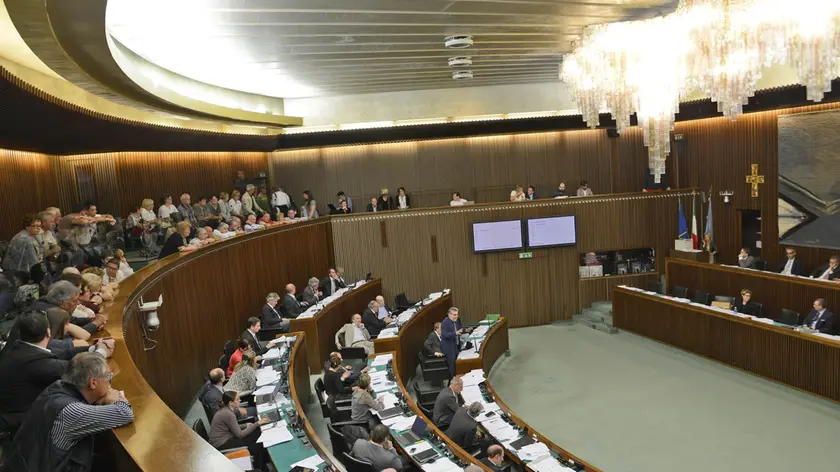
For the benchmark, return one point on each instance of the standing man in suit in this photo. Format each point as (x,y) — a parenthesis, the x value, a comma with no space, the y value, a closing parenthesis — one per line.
(270,316)
(331,284)
(312,294)
(828,271)
(354,334)
(820,319)
(495,456)
(250,334)
(447,403)
(463,429)
(291,307)
(371,319)
(745,259)
(791,266)
(432,344)
(450,338)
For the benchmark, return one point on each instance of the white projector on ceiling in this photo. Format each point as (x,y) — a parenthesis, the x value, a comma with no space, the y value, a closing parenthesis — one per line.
(458,42)
(460,61)
(462,75)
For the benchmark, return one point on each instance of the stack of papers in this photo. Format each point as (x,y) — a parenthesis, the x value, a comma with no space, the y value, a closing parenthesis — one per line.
(387,333)
(442,464)
(435,296)
(274,434)
(499,429)
(402,423)
(471,354)
(309,463)
(547,464)
(268,377)
(272,353)
(474,377)
(381,360)
(268,389)
(533,452)
(481,331)
(388,399)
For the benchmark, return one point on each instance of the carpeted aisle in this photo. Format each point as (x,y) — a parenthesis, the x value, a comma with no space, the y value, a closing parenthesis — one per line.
(625,403)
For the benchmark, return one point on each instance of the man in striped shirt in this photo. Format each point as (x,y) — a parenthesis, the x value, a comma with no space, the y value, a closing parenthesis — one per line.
(57,435)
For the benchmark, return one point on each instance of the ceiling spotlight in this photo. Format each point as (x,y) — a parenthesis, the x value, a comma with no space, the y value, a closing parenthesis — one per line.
(460,61)
(462,75)
(458,42)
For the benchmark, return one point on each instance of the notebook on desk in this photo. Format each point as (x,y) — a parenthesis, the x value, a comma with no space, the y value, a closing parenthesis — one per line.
(522,442)
(415,434)
(426,456)
(390,412)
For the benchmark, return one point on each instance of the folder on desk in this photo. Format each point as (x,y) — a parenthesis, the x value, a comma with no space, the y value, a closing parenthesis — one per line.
(492,317)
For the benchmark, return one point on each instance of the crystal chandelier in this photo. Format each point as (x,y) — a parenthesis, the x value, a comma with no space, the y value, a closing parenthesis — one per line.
(718,47)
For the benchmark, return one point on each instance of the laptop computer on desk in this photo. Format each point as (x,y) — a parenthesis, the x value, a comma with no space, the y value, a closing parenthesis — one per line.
(390,413)
(415,434)
(273,415)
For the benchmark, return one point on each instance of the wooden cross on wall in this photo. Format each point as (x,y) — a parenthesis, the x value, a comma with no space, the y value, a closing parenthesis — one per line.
(754,179)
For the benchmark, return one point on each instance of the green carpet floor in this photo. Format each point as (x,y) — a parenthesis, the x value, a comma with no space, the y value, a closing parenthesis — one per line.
(626,403)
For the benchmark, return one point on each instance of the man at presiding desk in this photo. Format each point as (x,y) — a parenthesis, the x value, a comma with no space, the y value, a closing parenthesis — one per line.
(820,319)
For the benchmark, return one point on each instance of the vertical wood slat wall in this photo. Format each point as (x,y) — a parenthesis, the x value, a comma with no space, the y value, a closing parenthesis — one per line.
(27,185)
(527,291)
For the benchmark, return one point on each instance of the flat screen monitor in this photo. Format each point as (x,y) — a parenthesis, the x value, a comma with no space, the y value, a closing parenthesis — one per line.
(492,236)
(553,231)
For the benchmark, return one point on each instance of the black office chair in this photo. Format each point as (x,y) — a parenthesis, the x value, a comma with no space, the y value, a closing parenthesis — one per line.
(723,298)
(320,392)
(428,395)
(679,292)
(789,317)
(761,264)
(339,444)
(654,286)
(227,351)
(401,302)
(356,465)
(759,312)
(198,427)
(703,298)
(434,369)
(426,411)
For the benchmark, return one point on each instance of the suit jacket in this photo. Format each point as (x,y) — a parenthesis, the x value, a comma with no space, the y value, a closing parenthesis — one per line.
(449,342)
(462,428)
(309,296)
(831,275)
(211,398)
(797,269)
(749,309)
(370,207)
(386,203)
(326,286)
(291,308)
(270,317)
(372,322)
(749,263)
(345,335)
(379,457)
(256,345)
(491,465)
(432,344)
(826,323)
(25,371)
(446,404)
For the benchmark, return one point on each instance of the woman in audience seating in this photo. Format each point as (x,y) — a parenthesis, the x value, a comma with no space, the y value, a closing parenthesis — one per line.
(242,346)
(745,305)
(165,211)
(177,241)
(403,200)
(265,220)
(124,267)
(235,204)
(386,201)
(94,299)
(202,238)
(236,225)
(215,211)
(343,209)
(226,433)
(224,206)
(86,309)
(244,378)
(364,400)
(310,210)
(147,211)
(221,233)
(63,334)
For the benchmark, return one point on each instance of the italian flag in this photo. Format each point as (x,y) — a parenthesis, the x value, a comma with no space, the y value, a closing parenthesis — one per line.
(694,238)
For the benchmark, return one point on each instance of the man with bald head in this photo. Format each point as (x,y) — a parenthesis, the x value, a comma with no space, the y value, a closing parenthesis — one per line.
(495,457)
(291,307)
(211,395)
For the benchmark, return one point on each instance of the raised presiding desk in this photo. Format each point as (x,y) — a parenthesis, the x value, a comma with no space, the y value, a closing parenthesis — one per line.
(802,360)
(322,321)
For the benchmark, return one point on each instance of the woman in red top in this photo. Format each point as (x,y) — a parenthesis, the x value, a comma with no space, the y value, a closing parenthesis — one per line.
(236,357)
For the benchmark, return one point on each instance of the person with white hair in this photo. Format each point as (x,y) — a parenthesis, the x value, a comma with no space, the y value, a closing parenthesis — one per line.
(371,319)
(249,203)
(312,294)
(186,210)
(270,315)
(463,430)
(222,232)
(384,311)
(202,238)
(63,420)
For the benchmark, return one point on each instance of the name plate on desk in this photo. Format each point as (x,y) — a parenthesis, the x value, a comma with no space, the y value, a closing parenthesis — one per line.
(685,245)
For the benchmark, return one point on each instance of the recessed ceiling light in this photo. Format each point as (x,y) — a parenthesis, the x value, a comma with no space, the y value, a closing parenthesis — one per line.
(458,42)
(460,61)
(462,75)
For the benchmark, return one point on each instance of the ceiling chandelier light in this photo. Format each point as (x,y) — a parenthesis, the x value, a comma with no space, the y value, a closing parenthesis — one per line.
(718,47)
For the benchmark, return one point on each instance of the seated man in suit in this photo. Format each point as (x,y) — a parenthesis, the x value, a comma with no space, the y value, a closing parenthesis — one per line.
(384,311)
(820,319)
(450,338)
(745,259)
(270,316)
(374,205)
(744,304)
(354,334)
(447,403)
(331,284)
(250,334)
(495,456)
(291,307)
(791,266)
(378,450)
(828,271)
(371,319)
(464,428)
(312,293)
(431,347)
(211,395)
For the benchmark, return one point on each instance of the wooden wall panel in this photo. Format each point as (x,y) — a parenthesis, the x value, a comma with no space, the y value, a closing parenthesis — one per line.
(527,291)
(596,289)
(27,185)
(219,293)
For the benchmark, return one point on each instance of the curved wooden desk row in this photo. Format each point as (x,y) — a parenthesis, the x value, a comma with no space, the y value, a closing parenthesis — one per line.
(803,361)
(321,328)
(774,291)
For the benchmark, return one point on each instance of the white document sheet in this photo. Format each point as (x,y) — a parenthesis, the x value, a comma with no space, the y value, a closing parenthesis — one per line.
(415,449)
(309,463)
(442,464)
(276,434)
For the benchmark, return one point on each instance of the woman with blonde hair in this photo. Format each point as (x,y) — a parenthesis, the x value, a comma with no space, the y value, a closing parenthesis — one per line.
(235,204)
(224,206)
(177,242)
(386,201)
(363,401)
(98,292)
(147,211)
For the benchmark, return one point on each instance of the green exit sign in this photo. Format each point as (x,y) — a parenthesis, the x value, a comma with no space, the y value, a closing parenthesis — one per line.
(526,255)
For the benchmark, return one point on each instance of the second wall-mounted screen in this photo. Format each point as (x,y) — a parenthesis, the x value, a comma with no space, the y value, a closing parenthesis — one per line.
(551,232)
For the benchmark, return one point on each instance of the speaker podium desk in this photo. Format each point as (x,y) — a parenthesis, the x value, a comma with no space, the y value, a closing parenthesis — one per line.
(804,361)
(320,329)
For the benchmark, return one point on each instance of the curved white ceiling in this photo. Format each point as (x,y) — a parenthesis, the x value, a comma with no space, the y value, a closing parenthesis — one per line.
(299,48)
